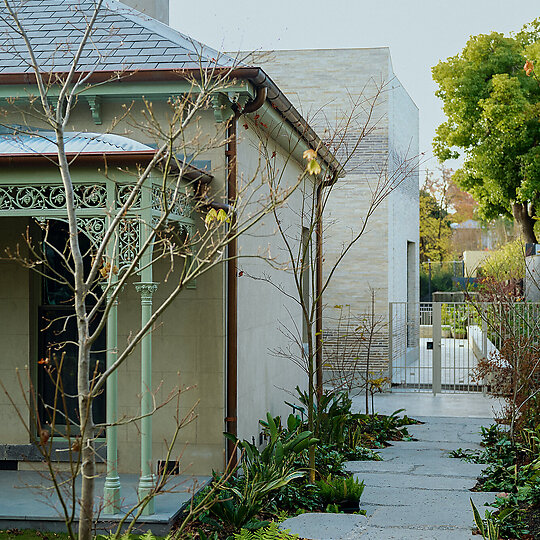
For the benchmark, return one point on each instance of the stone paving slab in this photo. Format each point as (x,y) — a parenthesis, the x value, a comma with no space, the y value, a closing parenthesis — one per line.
(416,456)
(444,512)
(400,533)
(378,466)
(326,526)
(415,481)
(443,446)
(455,468)
(455,430)
(428,498)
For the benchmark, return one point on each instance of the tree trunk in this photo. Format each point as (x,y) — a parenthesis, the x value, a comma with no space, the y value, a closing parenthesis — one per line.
(88,472)
(86,516)
(525,220)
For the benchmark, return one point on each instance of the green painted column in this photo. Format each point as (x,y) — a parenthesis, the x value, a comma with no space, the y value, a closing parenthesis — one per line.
(146,483)
(111,492)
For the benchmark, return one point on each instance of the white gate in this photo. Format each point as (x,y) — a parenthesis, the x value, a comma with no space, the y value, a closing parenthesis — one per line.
(435,346)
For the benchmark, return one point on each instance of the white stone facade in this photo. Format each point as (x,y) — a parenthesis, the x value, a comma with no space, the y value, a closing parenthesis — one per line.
(330,87)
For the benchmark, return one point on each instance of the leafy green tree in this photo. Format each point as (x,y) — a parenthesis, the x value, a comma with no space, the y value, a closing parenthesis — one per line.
(435,231)
(492,108)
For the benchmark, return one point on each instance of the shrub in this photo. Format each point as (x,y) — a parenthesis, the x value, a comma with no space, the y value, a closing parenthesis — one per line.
(341,491)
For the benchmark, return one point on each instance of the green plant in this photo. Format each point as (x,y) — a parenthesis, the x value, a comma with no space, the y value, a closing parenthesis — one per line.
(489,530)
(331,414)
(471,456)
(382,428)
(361,453)
(297,495)
(264,472)
(329,459)
(271,532)
(340,490)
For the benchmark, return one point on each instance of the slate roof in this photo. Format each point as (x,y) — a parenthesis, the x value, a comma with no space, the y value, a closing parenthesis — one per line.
(122,39)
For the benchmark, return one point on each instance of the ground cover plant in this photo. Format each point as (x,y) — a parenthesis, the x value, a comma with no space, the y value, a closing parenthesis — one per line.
(274,483)
(511,373)
(513,471)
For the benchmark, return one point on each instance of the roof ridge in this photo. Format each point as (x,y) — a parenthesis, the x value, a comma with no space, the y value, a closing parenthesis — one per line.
(165,31)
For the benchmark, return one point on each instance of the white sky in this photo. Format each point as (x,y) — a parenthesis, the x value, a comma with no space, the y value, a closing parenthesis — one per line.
(418,32)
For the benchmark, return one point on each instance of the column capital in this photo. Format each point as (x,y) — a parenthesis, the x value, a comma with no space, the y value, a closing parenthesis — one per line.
(146,289)
(112,288)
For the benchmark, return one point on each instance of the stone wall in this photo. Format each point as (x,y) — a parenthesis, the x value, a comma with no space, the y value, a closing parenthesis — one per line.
(347,94)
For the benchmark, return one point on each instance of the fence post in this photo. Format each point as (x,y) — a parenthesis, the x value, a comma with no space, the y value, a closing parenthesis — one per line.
(437,334)
(390,343)
(484,344)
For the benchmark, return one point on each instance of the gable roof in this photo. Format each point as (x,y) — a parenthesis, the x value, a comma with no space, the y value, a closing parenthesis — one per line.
(122,39)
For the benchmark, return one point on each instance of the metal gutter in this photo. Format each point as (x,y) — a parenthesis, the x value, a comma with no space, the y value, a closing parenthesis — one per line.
(254,74)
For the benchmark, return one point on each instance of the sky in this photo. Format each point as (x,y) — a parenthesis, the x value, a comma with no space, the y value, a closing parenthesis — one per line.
(419,33)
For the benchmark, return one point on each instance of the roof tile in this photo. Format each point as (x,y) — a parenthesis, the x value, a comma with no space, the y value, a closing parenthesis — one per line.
(122,36)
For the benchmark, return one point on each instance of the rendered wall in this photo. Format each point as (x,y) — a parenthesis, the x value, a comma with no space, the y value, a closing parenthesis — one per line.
(15,323)
(265,378)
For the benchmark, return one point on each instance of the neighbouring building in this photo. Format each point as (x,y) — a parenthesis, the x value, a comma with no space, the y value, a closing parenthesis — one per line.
(219,332)
(342,92)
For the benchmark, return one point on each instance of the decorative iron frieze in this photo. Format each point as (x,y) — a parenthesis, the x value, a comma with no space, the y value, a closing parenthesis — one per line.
(93,227)
(51,197)
(129,241)
(178,206)
(123,191)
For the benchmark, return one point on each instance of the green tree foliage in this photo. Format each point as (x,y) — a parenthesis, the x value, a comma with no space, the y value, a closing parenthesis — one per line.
(506,263)
(435,231)
(492,108)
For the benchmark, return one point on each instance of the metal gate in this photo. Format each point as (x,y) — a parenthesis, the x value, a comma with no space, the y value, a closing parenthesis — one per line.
(435,346)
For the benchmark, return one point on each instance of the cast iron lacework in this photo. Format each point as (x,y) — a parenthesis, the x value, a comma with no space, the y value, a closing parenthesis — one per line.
(179,207)
(122,194)
(128,241)
(48,197)
(93,227)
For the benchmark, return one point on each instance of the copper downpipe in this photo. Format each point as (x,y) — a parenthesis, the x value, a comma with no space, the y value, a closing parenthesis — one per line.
(231,419)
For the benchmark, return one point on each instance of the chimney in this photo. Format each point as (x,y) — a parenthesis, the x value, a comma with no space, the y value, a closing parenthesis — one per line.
(157,9)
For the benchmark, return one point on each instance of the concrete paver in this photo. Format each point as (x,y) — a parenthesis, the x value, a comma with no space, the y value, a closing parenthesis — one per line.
(326,526)
(417,492)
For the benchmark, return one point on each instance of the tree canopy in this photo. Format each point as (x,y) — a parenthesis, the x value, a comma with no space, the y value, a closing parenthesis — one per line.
(435,232)
(492,106)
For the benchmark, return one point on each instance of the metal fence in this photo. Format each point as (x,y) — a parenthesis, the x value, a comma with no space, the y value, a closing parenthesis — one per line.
(435,346)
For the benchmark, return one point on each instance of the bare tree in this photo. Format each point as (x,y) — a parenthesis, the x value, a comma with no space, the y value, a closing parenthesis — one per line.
(189,252)
(303,254)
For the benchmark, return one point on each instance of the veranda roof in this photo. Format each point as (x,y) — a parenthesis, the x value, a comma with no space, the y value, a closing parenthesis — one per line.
(42,142)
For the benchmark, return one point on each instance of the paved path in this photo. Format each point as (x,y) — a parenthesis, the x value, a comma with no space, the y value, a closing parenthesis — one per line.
(417,492)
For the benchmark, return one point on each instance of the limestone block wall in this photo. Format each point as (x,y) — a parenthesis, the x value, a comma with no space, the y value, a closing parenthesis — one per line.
(330,87)
(157,9)
(403,212)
